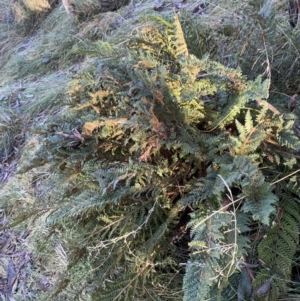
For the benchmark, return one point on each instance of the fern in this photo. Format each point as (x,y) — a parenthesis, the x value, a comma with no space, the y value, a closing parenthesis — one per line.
(161,161)
(277,248)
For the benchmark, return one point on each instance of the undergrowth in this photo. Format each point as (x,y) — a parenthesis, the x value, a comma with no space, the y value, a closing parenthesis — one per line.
(150,155)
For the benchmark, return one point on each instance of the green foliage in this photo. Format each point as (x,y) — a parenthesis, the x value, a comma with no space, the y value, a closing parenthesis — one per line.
(277,248)
(164,176)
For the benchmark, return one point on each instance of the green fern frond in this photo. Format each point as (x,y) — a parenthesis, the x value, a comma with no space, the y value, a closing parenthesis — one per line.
(277,249)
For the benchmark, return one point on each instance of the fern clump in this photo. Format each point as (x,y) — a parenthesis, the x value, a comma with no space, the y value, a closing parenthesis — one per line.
(158,173)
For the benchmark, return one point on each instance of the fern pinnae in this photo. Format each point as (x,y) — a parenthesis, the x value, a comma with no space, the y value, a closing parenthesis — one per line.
(180,45)
(241,129)
(262,112)
(286,244)
(248,121)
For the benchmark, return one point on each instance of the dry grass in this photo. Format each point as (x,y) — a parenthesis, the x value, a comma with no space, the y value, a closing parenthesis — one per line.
(9,38)
(37,5)
(46,52)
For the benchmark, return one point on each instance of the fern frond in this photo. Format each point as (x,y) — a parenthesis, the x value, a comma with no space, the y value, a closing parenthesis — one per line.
(277,249)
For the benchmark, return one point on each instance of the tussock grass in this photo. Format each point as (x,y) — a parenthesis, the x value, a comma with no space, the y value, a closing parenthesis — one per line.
(88,8)
(46,95)
(9,38)
(45,52)
(37,96)
(28,14)
(11,134)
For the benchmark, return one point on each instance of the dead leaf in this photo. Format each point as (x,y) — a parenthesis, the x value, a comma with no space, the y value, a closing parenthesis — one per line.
(146,155)
(245,287)
(158,95)
(78,135)
(199,9)
(293,102)
(265,287)
(159,4)
(44,283)
(11,276)
(161,129)
(261,102)
(89,127)
(162,6)
(179,3)
(297,130)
